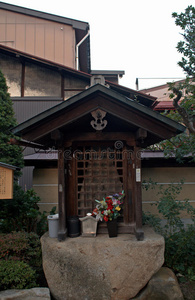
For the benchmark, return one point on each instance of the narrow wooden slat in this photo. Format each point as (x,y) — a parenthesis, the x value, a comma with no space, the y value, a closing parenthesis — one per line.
(23,79)
(138,189)
(62,233)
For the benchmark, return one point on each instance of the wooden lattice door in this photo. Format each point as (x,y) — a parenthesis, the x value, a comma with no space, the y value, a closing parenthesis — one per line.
(100,171)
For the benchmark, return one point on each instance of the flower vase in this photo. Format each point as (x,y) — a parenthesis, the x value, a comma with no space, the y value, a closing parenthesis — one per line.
(112,228)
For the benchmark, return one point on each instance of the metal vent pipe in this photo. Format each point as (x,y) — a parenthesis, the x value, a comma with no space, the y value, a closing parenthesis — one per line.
(77,49)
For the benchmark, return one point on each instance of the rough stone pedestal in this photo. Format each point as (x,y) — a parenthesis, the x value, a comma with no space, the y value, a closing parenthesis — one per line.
(162,286)
(101,268)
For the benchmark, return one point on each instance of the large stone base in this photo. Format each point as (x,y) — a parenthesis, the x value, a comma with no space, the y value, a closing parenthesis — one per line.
(162,286)
(101,267)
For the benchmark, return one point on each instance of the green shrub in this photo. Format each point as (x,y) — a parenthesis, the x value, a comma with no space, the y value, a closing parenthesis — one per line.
(151,220)
(16,275)
(179,240)
(21,246)
(180,252)
(13,245)
(22,213)
(9,153)
(171,208)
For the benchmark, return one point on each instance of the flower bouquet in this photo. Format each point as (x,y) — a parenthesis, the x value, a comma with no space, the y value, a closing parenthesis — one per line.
(109,208)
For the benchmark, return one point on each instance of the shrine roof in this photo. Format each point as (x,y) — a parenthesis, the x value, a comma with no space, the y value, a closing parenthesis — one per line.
(74,114)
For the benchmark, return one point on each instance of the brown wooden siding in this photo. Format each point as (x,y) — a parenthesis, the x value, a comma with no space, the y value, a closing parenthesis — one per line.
(39,37)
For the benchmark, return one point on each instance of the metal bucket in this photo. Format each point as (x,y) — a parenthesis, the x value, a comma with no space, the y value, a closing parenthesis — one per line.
(53,224)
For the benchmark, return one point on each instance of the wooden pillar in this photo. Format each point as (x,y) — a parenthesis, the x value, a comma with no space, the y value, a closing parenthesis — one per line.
(138,195)
(22,79)
(62,233)
(62,86)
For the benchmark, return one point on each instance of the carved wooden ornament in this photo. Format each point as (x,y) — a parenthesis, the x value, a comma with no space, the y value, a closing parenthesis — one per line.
(98,123)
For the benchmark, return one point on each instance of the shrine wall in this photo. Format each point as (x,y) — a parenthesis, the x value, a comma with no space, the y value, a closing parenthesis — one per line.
(165,176)
(45,183)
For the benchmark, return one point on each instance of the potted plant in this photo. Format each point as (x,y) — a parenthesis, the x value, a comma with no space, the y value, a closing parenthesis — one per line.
(108,210)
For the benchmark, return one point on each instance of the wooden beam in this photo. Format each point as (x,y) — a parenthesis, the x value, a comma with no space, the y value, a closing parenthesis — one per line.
(62,233)
(138,195)
(99,136)
(26,144)
(62,86)
(23,79)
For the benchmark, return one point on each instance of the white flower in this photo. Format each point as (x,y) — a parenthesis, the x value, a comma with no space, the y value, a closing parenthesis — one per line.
(115,201)
(98,217)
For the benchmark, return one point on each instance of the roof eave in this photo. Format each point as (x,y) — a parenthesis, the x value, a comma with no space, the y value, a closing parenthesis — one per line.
(178,128)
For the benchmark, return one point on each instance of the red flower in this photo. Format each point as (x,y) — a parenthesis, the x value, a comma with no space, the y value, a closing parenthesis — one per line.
(95,211)
(110,207)
(109,202)
(105,218)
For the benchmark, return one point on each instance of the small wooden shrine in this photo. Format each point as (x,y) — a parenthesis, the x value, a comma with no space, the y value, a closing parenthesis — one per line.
(99,134)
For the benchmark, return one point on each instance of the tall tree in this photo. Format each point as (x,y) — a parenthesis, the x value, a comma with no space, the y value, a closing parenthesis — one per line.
(183,94)
(10,154)
(187,48)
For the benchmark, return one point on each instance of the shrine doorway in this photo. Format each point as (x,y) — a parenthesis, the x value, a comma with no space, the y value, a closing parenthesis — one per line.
(97,170)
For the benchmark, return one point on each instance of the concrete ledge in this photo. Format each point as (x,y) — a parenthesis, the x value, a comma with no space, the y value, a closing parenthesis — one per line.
(101,267)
